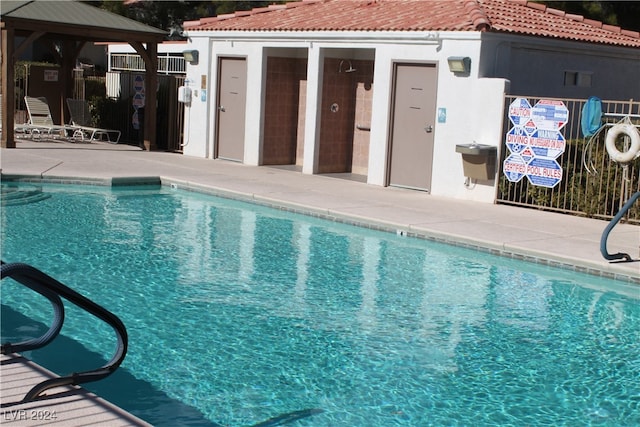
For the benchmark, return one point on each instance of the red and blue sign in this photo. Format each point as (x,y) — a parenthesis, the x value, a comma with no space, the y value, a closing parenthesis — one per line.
(535,142)
(550,114)
(517,138)
(520,111)
(527,154)
(544,172)
(530,127)
(138,100)
(138,83)
(547,143)
(514,168)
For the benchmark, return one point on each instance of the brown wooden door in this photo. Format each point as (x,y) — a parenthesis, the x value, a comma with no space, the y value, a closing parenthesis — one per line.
(412,134)
(231,108)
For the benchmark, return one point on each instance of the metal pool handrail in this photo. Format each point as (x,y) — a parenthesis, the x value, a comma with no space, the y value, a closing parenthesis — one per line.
(612,223)
(52,289)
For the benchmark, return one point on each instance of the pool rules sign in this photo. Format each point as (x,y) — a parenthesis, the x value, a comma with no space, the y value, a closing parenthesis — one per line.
(535,141)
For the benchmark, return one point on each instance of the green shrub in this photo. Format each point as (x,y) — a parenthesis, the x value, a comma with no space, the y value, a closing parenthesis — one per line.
(94,88)
(107,113)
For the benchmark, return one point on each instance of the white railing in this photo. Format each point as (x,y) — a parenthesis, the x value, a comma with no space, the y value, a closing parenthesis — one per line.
(168,63)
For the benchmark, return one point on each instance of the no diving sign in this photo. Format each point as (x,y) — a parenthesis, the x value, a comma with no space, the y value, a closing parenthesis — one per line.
(517,139)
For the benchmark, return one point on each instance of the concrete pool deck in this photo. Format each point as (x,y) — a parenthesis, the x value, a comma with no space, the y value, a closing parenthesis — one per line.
(68,406)
(538,236)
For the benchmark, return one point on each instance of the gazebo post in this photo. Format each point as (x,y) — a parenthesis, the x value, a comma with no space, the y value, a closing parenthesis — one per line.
(151,96)
(8,89)
(67,64)
(150,56)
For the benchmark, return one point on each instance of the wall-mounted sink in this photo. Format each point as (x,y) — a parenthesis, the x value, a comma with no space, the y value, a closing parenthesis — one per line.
(477,149)
(478,160)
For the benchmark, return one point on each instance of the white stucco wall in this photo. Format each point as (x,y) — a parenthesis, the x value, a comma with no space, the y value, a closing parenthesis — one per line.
(312,117)
(473,106)
(473,112)
(197,125)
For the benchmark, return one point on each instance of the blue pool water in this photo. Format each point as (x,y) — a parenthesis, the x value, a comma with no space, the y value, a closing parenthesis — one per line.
(237,313)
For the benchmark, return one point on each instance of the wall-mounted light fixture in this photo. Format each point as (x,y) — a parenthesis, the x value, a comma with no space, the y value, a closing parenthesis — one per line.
(459,64)
(191,56)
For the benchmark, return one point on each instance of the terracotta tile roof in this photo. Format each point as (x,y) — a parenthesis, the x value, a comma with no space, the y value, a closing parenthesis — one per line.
(505,16)
(538,20)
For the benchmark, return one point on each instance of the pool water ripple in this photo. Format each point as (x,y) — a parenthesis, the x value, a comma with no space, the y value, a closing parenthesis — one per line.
(238,313)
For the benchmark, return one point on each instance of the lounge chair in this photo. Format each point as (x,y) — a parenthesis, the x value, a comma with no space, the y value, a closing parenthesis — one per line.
(81,119)
(22,129)
(40,120)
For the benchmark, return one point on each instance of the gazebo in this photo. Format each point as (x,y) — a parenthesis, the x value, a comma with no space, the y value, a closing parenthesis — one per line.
(65,26)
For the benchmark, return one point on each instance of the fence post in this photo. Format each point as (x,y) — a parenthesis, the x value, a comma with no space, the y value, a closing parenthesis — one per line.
(79,85)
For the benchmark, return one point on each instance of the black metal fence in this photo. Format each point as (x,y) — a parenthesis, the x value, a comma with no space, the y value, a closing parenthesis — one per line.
(113,105)
(592,184)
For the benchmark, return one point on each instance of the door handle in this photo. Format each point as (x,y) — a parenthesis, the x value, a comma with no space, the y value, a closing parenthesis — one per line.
(428,129)
(221,108)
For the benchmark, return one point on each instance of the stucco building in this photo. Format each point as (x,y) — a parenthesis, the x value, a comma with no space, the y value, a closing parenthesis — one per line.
(370,88)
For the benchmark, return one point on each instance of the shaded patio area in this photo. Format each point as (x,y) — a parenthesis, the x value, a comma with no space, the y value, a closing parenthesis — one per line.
(64,27)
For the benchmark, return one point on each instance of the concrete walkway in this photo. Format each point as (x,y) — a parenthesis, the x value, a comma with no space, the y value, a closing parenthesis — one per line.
(67,406)
(545,237)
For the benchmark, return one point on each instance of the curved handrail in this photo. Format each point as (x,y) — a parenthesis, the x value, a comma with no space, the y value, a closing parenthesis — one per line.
(612,223)
(39,281)
(54,329)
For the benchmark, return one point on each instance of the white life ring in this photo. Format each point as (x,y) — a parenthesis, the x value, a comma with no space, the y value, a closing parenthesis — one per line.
(610,142)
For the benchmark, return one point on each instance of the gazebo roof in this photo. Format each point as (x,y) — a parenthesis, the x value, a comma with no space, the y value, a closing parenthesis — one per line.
(76,19)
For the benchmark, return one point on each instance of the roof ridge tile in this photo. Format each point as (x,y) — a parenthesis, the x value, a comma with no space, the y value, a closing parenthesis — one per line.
(612,28)
(578,18)
(477,14)
(298,3)
(260,10)
(593,22)
(538,6)
(631,33)
(556,12)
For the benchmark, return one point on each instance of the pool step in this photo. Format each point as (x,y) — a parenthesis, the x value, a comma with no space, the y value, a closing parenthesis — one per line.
(12,196)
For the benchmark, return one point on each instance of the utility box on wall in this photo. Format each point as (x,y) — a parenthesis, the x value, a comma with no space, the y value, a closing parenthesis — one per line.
(478,160)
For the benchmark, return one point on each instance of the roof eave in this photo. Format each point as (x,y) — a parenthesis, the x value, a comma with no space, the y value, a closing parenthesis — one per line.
(342,36)
(87,33)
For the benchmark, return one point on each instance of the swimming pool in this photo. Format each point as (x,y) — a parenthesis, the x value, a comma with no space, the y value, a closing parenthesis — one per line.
(238,313)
